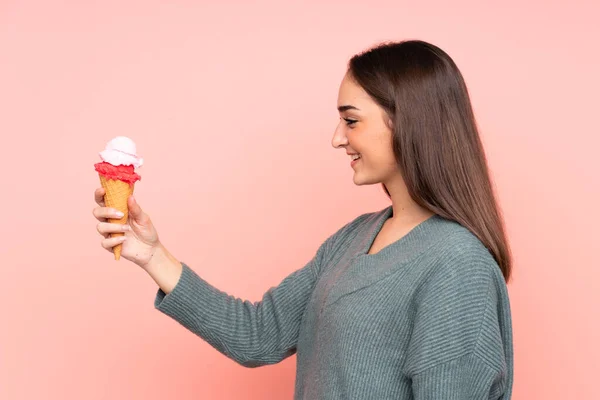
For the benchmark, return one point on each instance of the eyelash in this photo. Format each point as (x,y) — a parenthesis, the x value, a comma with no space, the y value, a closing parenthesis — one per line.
(350,122)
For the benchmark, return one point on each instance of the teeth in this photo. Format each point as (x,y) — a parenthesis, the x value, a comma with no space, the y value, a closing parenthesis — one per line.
(355,156)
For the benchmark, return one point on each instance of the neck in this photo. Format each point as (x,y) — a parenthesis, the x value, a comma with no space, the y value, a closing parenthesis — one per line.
(405,209)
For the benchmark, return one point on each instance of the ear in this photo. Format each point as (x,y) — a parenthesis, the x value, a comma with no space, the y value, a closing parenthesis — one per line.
(388,119)
(389,123)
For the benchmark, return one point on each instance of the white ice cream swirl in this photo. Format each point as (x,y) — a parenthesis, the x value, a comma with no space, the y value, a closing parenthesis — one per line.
(121,151)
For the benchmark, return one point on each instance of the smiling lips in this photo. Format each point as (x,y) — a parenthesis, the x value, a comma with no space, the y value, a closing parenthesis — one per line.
(355,157)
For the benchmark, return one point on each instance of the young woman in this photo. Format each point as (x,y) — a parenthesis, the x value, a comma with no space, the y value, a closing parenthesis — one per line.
(409,302)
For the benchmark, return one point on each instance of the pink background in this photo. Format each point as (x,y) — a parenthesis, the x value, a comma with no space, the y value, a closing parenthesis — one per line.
(233,105)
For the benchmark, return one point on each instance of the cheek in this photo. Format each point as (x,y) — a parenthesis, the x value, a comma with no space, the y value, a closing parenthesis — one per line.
(381,151)
(386,149)
(390,157)
(381,158)
(384,162)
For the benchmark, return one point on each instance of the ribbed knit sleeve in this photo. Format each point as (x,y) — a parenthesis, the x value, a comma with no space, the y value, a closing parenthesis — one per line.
(252,334)
(457,349)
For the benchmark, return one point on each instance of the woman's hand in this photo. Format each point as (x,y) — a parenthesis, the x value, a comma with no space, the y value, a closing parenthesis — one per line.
(140,239)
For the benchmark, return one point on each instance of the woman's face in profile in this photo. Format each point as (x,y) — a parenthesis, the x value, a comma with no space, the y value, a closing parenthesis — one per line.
(363,131)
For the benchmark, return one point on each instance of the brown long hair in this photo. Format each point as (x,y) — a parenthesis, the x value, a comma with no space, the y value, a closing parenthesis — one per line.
(435,137)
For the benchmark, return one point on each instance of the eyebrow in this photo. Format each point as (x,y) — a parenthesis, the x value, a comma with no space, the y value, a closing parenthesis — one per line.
(346,108)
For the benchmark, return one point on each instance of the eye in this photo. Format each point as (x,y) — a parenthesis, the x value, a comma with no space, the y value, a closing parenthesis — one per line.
(350,122)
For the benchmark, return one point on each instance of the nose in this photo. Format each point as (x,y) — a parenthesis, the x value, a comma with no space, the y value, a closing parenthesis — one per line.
(339,137)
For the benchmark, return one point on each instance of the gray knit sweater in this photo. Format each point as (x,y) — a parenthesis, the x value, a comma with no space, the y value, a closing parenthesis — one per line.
(427,317)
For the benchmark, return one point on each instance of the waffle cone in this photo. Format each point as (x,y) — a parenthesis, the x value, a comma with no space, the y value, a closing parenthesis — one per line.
(117,193)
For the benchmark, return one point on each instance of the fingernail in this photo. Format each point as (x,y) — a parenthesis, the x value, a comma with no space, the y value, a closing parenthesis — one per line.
(119,214)
(122,238)
(125,227)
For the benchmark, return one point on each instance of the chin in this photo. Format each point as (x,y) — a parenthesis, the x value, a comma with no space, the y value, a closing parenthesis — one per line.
(362,180)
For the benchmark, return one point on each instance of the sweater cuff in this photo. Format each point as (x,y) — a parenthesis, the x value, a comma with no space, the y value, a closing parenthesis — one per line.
(184,301)
(467,377)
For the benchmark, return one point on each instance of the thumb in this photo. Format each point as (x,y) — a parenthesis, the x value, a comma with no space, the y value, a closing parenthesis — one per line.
(135,211)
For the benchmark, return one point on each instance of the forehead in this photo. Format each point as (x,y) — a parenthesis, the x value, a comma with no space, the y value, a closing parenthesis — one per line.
(350,93)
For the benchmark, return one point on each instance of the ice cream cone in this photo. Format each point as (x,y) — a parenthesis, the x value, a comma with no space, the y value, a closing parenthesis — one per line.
(118,177)
(117,193)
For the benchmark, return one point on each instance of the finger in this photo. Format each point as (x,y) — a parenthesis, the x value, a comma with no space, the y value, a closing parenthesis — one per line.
(100,231)
(135,211)
(109,243)
(98,214)
(105,228)
(103,213)
(99,196)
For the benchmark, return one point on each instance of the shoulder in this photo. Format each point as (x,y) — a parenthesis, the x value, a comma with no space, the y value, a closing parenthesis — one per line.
(458,254)
(460,275)
(460,304)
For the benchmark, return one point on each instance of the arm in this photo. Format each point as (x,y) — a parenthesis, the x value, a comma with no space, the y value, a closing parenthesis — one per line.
(252,334)
(164,269)
(461,342)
